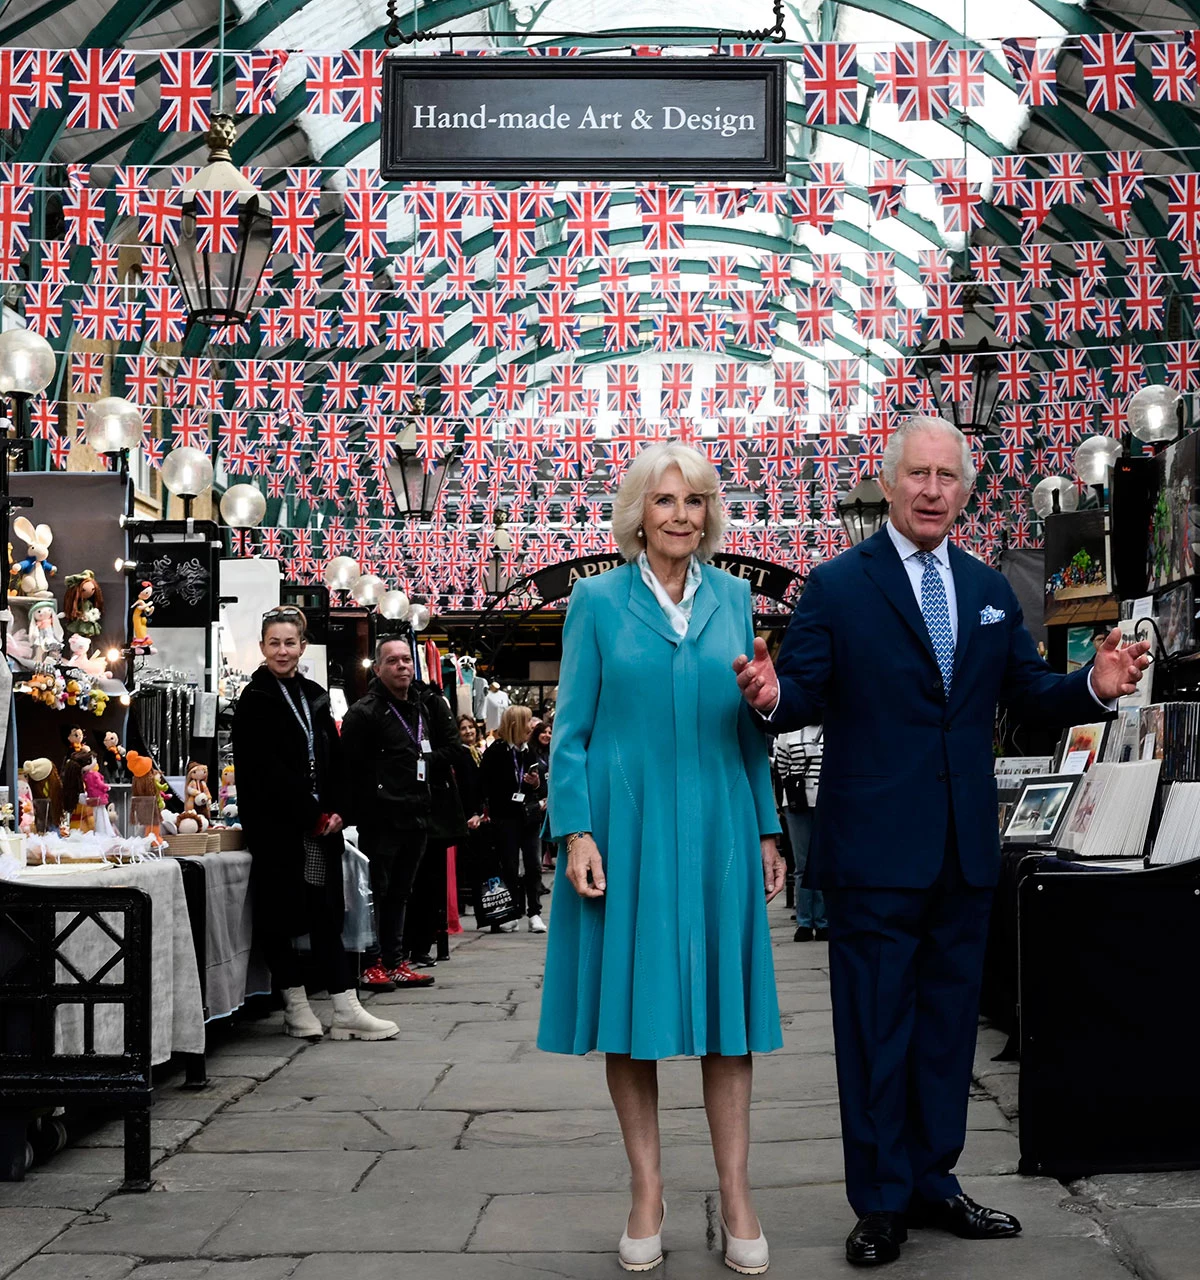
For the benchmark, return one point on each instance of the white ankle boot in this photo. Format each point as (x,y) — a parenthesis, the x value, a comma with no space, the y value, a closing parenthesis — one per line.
(352,1022)
(298,1017)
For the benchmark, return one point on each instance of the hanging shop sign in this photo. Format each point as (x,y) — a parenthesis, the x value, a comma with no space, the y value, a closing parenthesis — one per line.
(683,118)
(771,580)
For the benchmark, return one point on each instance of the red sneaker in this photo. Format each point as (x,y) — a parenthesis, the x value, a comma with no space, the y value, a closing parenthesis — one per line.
(403,976)
(377,978)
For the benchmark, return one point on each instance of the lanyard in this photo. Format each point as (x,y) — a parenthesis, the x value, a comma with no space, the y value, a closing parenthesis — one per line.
(419,738)
(305,722)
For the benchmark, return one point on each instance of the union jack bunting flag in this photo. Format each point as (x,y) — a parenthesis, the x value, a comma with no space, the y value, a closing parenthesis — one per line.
(366,224)
(921,84)
(256,81)
(323,85)
(1173,71)
(16,204)
(1115,196)
(964,71)
(43,308)
(1034,70)
(130,183)
(514,226)
(185,91)
(1109,71)
(83,213)
(886,190)
(587,223)
(160,216)
(216,221)
(831,84)
(43,68)
(100,86)
(720,200)
(16,92)
(662,218)
(165,317)
(362,85)
(1183,207)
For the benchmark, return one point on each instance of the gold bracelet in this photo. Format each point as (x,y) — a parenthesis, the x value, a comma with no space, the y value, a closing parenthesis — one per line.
(576,835)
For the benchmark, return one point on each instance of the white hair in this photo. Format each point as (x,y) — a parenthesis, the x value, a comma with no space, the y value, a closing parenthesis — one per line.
(644,472)
(913,426)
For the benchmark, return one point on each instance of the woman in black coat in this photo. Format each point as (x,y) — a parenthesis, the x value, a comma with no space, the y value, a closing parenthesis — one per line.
(473,853)
(508,770)
(291,794)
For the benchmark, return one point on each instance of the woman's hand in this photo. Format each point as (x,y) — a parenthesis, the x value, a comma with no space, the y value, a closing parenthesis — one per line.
(530,779)
(333,825)
(473,822)
(774,867)
(583,859)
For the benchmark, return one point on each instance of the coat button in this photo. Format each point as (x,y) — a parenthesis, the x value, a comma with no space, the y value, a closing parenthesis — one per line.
(942,776)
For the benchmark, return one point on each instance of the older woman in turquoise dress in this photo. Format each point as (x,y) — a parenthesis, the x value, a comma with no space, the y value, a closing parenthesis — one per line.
(661,792)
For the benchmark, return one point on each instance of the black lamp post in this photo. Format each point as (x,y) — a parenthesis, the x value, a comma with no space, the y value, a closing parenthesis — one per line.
(219,286)
(862,511)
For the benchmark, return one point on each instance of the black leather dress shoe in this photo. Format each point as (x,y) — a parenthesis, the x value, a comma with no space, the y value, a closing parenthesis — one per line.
(804,933)
(961,1216)
(876,1239)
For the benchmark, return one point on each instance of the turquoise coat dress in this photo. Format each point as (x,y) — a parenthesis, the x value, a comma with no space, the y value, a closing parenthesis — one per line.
(654,752)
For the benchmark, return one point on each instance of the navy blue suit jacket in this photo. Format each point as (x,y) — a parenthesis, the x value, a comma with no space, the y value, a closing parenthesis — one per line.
(901,761)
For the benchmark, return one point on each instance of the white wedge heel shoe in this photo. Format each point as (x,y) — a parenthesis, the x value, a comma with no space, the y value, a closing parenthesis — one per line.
(746,1257)
(644,1253)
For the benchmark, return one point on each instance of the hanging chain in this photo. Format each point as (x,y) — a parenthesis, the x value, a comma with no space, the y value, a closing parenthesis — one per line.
(393,37)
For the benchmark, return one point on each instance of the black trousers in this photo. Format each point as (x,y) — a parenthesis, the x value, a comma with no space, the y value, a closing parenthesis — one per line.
(427,909)
(516,843)
(395,863)
(904,971)
(329,969)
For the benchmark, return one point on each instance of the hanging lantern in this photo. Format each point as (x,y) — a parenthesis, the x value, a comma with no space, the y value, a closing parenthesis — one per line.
(971,406)
(862,511)
(418,617)
(219,282)
(113,425)
(417,482)
(187,472)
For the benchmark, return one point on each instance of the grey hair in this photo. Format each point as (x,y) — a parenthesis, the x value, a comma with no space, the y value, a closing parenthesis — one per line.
(911,427)
(645,471)
(382,643)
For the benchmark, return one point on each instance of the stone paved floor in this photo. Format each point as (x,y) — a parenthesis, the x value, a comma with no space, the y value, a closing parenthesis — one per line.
(459,1152)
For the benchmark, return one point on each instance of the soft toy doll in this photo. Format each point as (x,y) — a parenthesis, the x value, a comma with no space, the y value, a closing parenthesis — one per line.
(197,806)
(145,803)
(229,809)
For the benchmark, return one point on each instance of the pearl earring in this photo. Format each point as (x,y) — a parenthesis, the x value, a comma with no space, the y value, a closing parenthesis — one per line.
(641,532)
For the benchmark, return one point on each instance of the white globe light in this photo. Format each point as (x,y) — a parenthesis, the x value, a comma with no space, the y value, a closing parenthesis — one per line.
(113,425)
(1155,413)
(26,363)
(1044,491)
(1095,457)
(340,573)
(367,589)
(243,506)
(187,472)
(394,605)
(418,617)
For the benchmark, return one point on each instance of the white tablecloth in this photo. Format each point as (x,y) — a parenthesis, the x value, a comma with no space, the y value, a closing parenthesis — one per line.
(176,1008)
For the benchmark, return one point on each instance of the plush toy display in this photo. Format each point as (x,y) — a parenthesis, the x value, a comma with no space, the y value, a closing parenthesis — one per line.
(46,787)
(145,800)
(83,605)
(197,805)
(142,610)
(228,796)
(30,574)
(112,758)
(77,745)
(45,635)
(91,664)
(77,791)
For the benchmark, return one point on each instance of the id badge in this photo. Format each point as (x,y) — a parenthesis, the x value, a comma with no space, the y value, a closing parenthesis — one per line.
(421,770)
(518,797)
(426,747)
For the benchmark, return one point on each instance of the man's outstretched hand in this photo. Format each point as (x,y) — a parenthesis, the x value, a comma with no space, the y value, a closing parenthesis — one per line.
(756,678)
(1116,670)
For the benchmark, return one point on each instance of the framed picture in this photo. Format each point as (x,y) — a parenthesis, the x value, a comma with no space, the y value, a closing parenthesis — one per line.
(1172,552)
(1175,611)
(1038,814)
(1078,587)
(1080,738)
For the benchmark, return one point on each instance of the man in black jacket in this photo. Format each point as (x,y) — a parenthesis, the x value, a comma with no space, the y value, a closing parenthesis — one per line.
(399,743)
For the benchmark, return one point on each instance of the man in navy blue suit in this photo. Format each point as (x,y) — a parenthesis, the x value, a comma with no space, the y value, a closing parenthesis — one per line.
(902,647)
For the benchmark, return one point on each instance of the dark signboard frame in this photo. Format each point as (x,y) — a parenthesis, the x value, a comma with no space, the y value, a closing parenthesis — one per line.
(572,76)
(767,579)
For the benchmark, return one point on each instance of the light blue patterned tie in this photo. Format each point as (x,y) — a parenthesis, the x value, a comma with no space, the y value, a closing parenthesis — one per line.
(936,613)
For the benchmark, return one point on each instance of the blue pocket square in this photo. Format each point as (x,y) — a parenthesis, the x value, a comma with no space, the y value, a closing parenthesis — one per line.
(988,615)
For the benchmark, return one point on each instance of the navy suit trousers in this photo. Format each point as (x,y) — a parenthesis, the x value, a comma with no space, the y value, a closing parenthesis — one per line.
(905,969)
